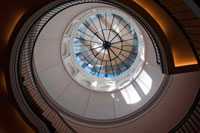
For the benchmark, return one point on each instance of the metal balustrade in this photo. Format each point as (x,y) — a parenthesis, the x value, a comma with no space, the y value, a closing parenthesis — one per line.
(26,76)
(191,122)
(186,20)
(189,24)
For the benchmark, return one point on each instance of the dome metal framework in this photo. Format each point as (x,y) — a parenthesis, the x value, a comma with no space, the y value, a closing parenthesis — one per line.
(103,49)
(106,45)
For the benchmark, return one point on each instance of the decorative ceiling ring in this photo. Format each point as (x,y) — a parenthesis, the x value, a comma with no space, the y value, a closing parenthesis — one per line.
(27,69)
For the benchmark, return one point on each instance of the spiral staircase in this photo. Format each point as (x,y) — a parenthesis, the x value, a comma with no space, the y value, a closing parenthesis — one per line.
(156,90)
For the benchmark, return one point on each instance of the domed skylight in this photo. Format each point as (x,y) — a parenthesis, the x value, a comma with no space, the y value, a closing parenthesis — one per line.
(103,49)
(106,45)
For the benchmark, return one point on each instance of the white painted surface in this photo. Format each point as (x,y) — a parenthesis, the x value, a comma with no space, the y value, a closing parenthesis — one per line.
(60,88)
(54,80)
(168,112)
(101,106)
(74,99)
(46,54)
(54,29)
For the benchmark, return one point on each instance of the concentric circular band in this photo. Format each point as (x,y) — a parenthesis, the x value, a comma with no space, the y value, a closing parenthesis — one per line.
(103,49)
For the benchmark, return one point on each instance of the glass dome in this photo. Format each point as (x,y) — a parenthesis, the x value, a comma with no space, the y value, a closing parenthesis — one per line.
(103,49)
(105,45)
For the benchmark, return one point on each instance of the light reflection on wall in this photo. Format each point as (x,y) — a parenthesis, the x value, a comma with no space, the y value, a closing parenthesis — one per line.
(145,82)
(3,82)
(130,95)
(13,24)
(177,40)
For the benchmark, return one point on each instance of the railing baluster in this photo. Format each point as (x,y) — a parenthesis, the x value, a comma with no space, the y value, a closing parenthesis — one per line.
(194,121)
(188,19)
(186,126)
(191,27)
(193,41)
(181,128)
(190,126)
(176,6)
(195,113)
(181,13)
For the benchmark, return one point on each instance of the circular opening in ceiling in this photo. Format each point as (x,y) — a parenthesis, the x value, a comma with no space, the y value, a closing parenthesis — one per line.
(106,49)
(103,95)
(106,45)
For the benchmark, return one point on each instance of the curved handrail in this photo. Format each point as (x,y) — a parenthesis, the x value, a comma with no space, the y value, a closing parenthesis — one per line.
(26,75)
(193,38)
(191,122)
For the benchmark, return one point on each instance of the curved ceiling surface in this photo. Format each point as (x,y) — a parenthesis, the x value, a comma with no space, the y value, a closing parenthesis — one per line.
(79,92)
(63,90)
